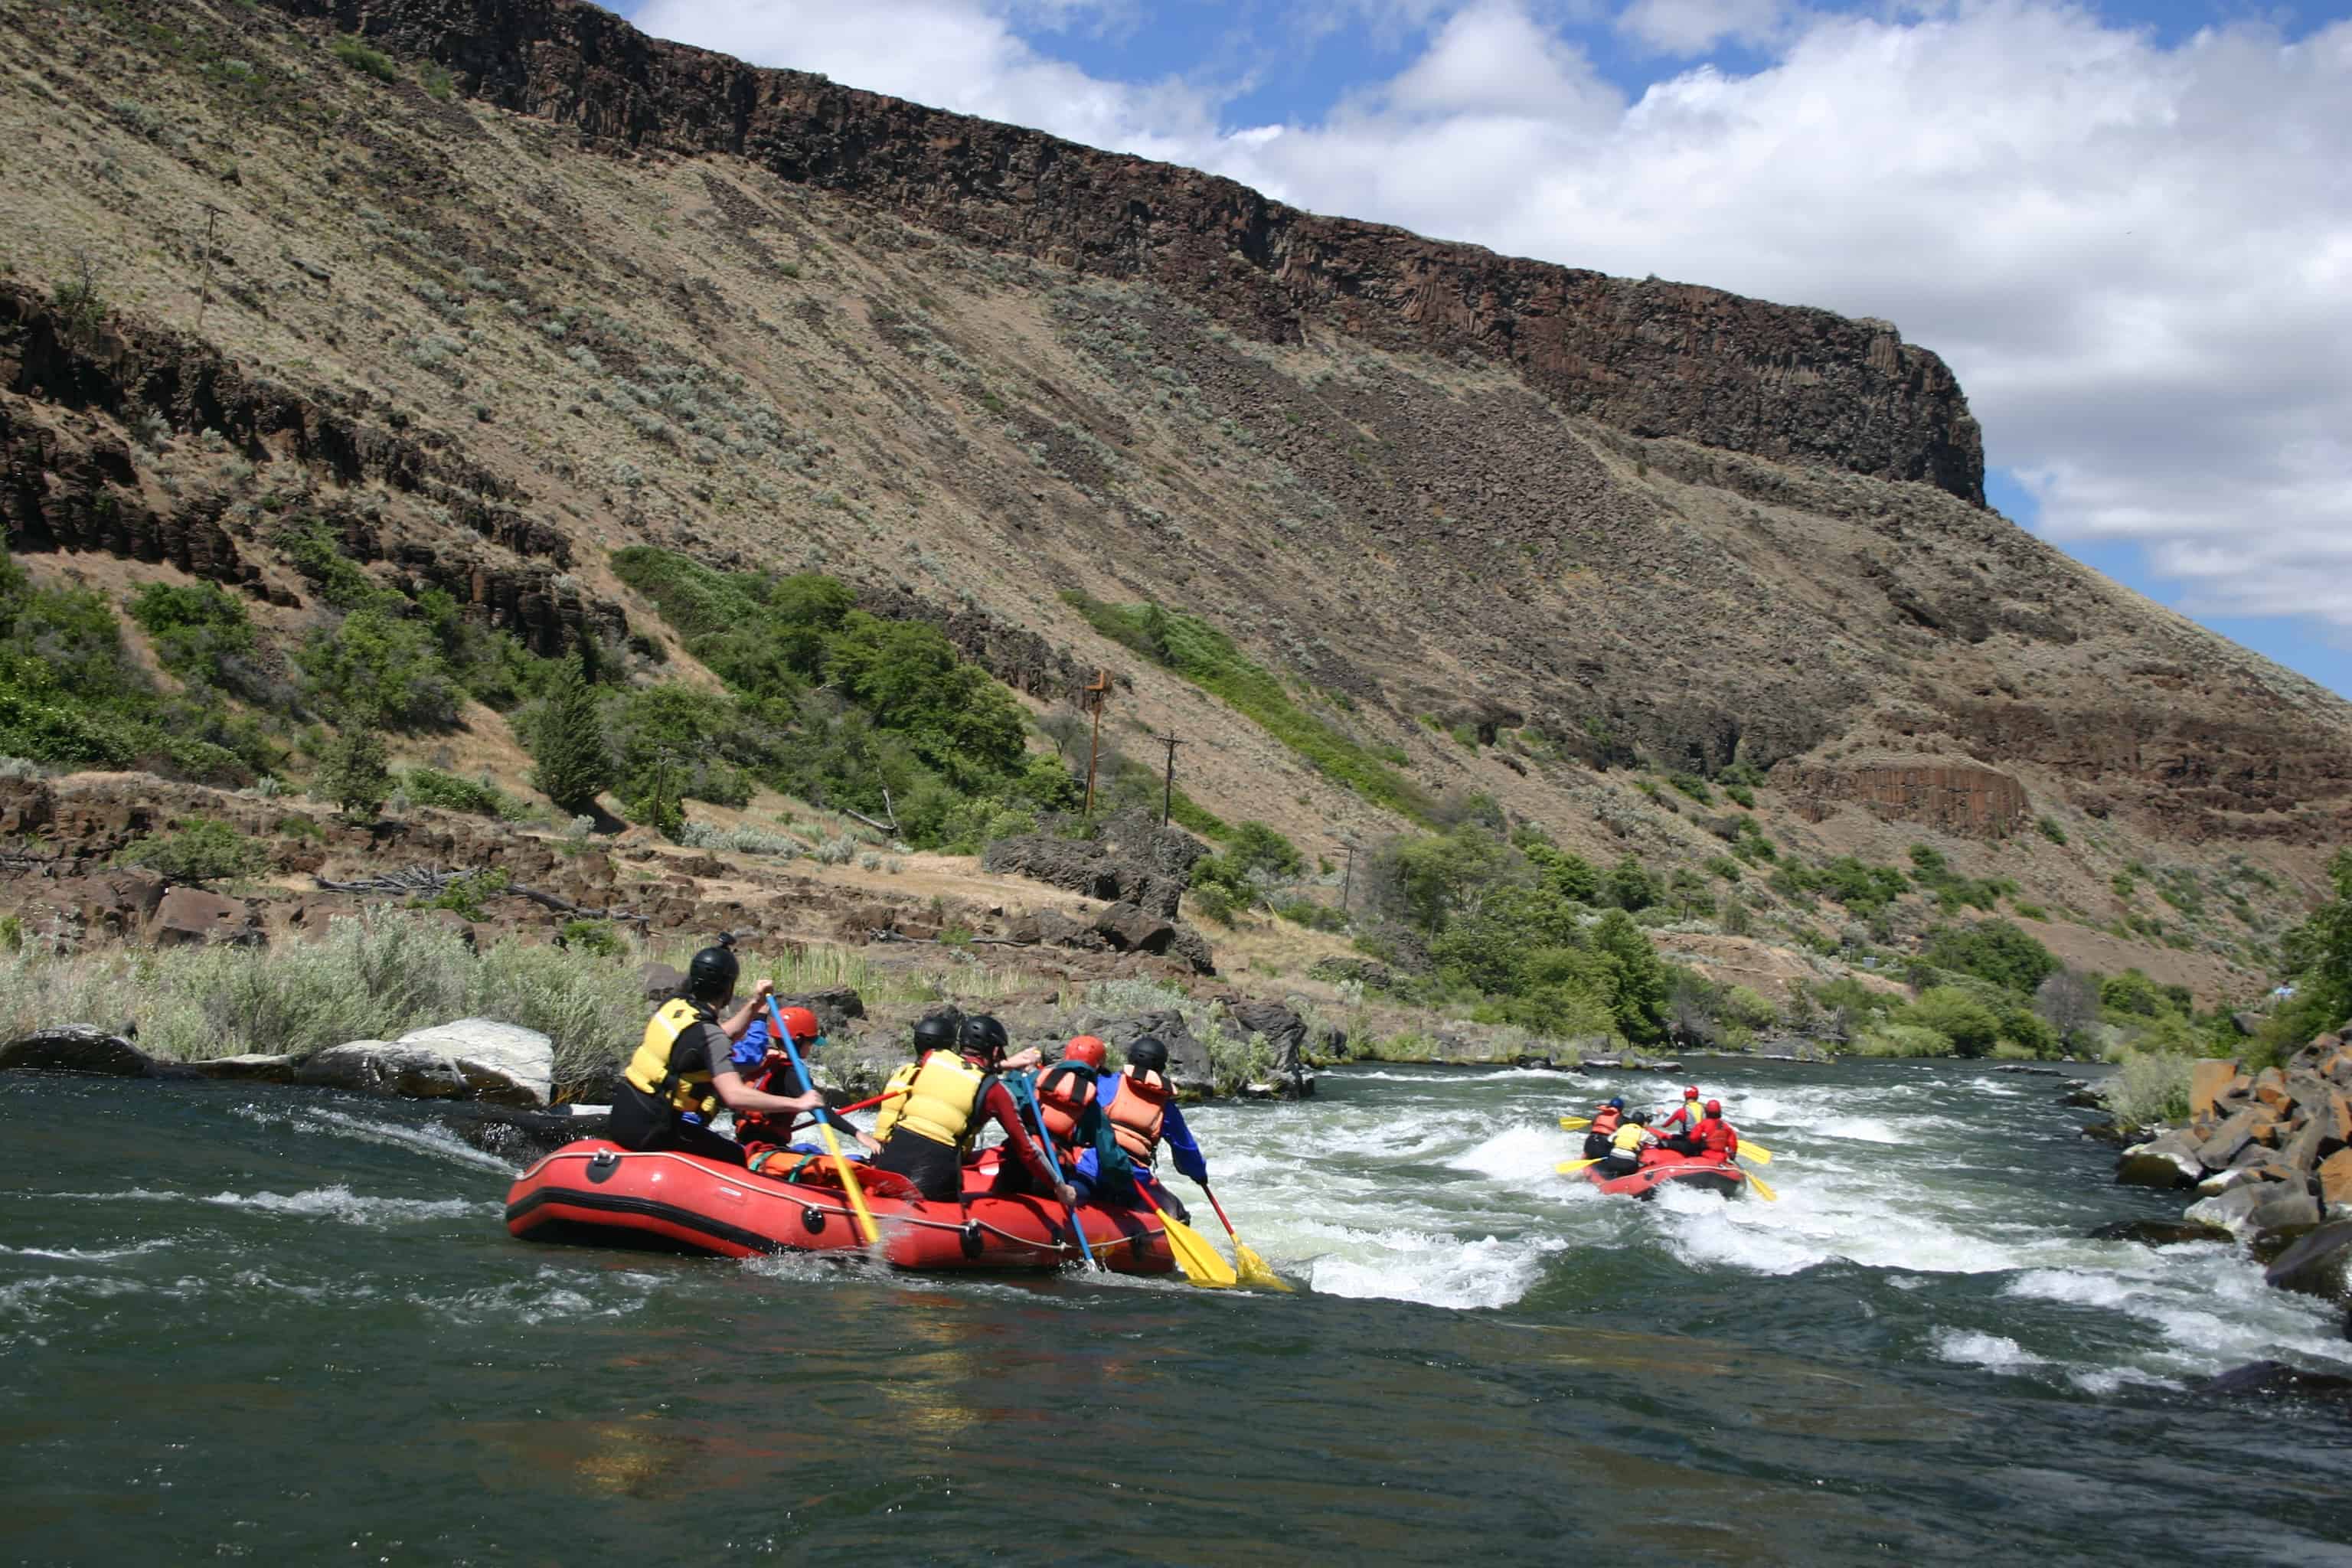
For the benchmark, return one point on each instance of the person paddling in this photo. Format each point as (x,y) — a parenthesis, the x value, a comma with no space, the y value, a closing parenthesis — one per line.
(1717,1139)
(768,1067)
(1069,1110)
(1685,1116)
(1625,1146)
(684,1069)
(1139,1103)
(1605,1123)
(935,1032)
(950,1097)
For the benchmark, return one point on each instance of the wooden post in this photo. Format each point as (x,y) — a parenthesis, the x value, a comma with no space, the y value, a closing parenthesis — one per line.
(1168,792)
(1094,694)
(204,290)
(1348,881)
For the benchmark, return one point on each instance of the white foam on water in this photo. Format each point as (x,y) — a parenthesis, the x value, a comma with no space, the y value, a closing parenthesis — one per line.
(424,1138)
(1435,1269)
(1452,1080)
(1521,1154)
(551,1295)
(1996,1351)
(82,1255)
(339,1203)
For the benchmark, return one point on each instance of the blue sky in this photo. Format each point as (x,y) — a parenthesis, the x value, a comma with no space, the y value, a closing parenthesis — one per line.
(2128,226)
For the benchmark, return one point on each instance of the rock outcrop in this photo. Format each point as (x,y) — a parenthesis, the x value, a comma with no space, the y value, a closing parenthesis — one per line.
(1131,859)
(1956,797)
(1650,357)
(2272,1150)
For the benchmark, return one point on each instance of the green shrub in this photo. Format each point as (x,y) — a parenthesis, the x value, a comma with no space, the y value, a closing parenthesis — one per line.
(469,895)
(1694,786)
(1996,951)
(2148,1089)
(377,663)
(598,937)
(1208,657)
(1900,1040)
(1970,1026)
(1724,867)
(2052,831)
(356,54)
(1741,794)
(429,786)
(205,851)
(1213,902)
(198,630)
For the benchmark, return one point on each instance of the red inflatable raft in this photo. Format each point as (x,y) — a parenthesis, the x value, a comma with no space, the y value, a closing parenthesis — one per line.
(1660,1165)
(598,1194)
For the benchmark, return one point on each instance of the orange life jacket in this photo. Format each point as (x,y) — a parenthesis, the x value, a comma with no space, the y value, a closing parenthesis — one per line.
(1135,1112)
(1605,1121)
(1064,1092)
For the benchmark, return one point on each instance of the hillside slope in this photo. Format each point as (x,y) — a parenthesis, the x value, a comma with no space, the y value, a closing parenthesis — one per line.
(526,287)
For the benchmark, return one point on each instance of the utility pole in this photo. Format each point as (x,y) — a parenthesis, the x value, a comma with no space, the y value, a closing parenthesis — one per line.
(1167,794)
(1094,694)
(1348,881)
(205,291)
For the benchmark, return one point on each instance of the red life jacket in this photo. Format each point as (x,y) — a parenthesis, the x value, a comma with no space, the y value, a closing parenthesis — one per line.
(1064,1092)
(1714,1135)
(1135,1112)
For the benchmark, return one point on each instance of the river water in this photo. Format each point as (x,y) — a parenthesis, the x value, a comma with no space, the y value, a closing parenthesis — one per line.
(238,1323)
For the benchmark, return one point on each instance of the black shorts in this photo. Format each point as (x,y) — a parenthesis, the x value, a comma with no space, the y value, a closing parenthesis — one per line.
(934,1168)
(644,1123)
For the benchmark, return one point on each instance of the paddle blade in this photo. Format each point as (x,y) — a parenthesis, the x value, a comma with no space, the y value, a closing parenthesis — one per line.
(1574,1123)
(1570,1167)
(1755,1151)
(1766,1194)
(1254,1270)
(1195,1257)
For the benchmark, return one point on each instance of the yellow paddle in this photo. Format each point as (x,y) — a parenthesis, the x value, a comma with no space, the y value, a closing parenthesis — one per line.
(1253,1269)
(1570,1167)
(1195,1256)
(865,1226)
(1755,1151)
(1766,1194)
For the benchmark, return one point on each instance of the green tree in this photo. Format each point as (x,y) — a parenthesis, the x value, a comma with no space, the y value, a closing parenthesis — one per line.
(1641,983)
(1971,1027)
(1631,887)
(574,762)
(352,771)
(1995,951)
(1569,875)
(381,663)
(655,803)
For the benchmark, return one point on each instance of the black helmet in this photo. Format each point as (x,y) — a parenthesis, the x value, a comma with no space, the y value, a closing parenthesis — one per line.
(1149,1053)
(982,1037)
(713,975)
(935,1032)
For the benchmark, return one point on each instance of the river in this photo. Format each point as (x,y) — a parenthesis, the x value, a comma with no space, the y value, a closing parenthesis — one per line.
(238,1323)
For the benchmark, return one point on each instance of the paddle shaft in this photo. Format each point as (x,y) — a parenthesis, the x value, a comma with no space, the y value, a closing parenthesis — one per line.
(1221,1213)
(865,1225)
(1054,1164)
(861,1105)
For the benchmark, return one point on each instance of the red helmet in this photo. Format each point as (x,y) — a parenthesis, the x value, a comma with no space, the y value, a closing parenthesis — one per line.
(1715,1108)
(801,1023)
(1691,1093)
(1085,1048)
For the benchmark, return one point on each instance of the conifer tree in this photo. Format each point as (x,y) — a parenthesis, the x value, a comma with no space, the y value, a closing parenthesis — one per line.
(574,760)
(352,771)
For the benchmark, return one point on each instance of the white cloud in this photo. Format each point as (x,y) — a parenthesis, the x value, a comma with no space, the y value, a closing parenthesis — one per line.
(1686,27)
(2136,257)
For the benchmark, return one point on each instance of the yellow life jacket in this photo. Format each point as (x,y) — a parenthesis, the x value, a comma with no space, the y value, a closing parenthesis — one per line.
(649,1069)
(888,1116)
(1629,1137)
(940,1099)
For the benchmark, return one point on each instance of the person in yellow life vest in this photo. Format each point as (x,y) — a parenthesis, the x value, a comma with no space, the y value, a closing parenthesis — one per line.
(1625,1146)
(950,1097)
(1680,1130)
(684,1069)
(934,1033)
(1139,1103)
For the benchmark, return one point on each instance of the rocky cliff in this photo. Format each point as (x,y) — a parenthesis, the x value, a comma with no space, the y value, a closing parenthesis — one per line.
(1651,358)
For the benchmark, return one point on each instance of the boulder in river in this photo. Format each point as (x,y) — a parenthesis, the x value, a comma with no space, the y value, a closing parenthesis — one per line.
(2271,1379)
(2233,1210)
(380,1067)
(2169,1159)
(503,1063)
(2159,1232)
(2318,1263)
(251,1068)
(81,1047)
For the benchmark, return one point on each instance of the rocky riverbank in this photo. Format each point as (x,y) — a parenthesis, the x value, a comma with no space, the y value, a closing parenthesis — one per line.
(2269,1152)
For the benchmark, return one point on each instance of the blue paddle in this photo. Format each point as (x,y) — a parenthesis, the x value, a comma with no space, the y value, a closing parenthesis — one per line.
(1028,1082)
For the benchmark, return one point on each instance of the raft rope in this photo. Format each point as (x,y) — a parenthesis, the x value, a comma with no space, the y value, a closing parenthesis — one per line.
(803,1195)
